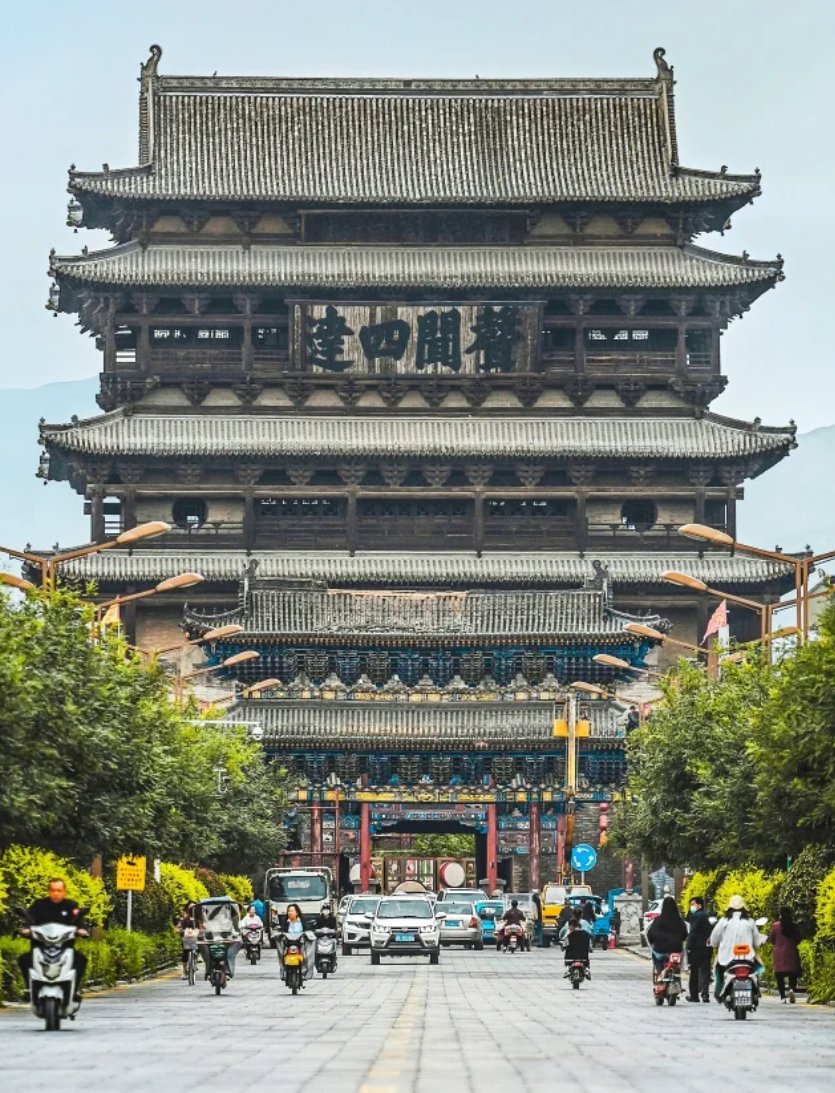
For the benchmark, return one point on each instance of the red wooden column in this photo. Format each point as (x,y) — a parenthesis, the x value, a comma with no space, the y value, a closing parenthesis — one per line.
(492,850)
(533,845)
(316,832)
(365,846)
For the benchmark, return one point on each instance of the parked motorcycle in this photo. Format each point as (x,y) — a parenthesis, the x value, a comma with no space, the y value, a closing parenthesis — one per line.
(325,953)
(53,978)
(667,983)
(253,938)
(740,990)
(291,955)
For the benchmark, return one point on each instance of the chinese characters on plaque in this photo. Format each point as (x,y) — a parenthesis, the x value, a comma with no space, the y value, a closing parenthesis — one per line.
(430,338)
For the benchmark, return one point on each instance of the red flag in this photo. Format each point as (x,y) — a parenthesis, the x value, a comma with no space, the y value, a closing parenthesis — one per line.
(718,619)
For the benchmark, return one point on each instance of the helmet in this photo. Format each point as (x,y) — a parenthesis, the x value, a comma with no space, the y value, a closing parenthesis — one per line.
(736,903)
(326,908)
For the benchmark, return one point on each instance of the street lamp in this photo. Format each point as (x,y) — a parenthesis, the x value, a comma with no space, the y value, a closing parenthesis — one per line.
(685,580)
(170,584)
(802,566)
(252,691)
(49,565)
(643,631)
(230,662)
(17,582)
(621,665)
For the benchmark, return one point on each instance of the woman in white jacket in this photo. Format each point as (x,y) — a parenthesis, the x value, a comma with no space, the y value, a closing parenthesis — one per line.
(734,930)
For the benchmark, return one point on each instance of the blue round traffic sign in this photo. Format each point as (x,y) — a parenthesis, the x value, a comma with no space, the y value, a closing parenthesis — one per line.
(583,857)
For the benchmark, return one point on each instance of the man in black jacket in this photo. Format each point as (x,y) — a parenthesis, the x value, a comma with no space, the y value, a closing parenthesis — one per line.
(54,908)
(698,950)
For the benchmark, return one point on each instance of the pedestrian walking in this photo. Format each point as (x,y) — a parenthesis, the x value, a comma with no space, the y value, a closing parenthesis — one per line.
(784,936)
(537,926)
(698,950)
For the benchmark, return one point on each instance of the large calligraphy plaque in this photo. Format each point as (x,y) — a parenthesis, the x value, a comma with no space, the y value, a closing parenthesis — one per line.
(429,339)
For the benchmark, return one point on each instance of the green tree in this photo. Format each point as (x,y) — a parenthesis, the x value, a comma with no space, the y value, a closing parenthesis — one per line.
(97,759)
(444,846)
(793,747)
(691,797)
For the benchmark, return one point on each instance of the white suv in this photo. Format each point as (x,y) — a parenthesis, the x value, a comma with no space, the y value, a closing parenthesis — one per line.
(405,926)
(355,923)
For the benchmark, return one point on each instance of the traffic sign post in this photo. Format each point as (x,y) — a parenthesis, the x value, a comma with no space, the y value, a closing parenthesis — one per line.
(130,878)
(583,859)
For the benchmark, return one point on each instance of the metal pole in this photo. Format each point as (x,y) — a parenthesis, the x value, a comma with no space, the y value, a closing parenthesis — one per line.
(365,846)
(571,764)
(130,909)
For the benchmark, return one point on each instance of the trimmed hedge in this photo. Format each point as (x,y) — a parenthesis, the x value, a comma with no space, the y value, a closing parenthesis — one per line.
(117,956)
(703,885)
(239,888)
(26,871)
(825,909)
(760,890)
(181,885)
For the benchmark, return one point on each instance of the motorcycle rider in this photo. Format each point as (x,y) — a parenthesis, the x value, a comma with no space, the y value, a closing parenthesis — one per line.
(293,927)
(327,919)
(513,916)
(54,908)
(577,945)
(252,919)
(735,928)
(666,934)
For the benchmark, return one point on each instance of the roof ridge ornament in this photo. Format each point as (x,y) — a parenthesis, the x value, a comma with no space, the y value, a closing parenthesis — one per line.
(149,68)
(665,71)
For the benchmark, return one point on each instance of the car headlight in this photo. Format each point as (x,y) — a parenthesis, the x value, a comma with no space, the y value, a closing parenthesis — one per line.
(428,929)
(378,928)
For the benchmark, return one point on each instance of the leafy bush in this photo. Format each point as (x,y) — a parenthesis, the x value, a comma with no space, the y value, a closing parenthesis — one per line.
(214,885)
(825,915)
(239,888)
(4,897)
(818,964)
(117,956)
(153,909)
(11,981)
(799,890)
(181,885)
(703,885)
(760,891)
(25,871)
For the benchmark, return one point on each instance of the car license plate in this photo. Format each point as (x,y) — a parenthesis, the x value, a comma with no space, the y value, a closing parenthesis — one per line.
(452,922)
(404,937)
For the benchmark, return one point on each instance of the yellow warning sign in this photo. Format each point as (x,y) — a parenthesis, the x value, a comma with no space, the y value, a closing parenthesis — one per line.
(130,874)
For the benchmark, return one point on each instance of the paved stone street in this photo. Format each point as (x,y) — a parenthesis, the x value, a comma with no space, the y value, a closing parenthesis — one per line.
(476,1020)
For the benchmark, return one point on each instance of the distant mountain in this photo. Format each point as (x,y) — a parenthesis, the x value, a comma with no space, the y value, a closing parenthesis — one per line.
(31,511)
(792,504)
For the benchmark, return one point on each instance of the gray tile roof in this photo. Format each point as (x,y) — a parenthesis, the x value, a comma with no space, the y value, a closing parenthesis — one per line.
(420,569)
(216,435)
(531,267)
(412,142)
(505,726)
(275,614)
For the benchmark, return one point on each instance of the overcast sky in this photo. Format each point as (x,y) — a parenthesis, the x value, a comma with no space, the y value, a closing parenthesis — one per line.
(754,89)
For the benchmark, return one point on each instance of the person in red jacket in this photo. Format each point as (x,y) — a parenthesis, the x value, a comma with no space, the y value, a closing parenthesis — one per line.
(784,936)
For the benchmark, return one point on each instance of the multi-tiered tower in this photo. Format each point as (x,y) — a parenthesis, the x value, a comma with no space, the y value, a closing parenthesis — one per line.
(420,371)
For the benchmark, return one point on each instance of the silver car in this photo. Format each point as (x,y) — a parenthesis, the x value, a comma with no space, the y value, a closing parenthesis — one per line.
(355,926)
(462,925)
(405,926)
